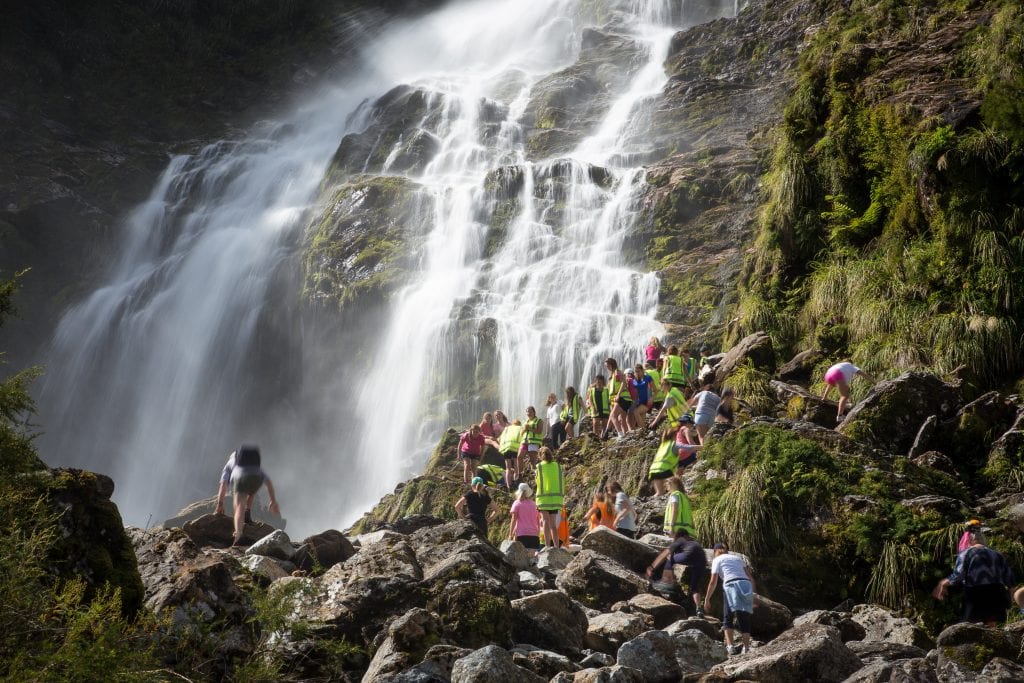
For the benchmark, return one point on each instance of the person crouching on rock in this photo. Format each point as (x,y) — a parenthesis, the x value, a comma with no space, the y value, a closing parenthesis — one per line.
(839,377)
(685,551)
(986,579)
(550,494)
(479,503)
(738,587)
(245,476)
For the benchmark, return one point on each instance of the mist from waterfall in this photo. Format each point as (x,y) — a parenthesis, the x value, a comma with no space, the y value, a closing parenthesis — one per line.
(198,340)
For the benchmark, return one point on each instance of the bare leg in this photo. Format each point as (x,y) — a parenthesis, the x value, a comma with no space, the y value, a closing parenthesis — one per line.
(728,636)
(510,473)
(844,396)
(702,431)
(550,534)
(569,429)
(659,486)
(242,502)
(466,471)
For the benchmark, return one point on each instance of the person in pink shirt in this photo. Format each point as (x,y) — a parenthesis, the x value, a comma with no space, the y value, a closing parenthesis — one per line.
(471,448)
(654,350)
(525,526)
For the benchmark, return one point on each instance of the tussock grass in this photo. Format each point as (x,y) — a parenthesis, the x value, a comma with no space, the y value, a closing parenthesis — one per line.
(892,582)
(747,515)
(753,387)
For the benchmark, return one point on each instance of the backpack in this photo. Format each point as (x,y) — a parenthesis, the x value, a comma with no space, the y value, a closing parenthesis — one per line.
(248,456)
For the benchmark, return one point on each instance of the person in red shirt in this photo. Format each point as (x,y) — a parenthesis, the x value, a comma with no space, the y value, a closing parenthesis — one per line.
(471,448)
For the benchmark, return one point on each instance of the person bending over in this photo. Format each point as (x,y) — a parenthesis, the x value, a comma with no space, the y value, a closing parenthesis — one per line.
(245,476)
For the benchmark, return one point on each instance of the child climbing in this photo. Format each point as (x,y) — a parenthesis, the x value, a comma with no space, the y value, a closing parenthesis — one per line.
(839,377)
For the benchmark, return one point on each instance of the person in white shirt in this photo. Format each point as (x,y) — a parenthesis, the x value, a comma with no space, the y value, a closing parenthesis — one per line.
(243,473)
(839,377)
(738,590)
(553,417)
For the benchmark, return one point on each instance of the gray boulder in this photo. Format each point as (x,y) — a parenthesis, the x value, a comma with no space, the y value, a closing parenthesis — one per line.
(879,650)
(541,662)
(664,657)
(770,618)
(800,404)
(405,644)
(627,552)
(275,544)
(553,559)
(491,664)
(1002,670)
(515,554)
(810,652)
(662,612)
(848,628)
(606,674)
(917,670)
(267,569)
(606,632)
(393,557)
(551,620)
(881,624)
(530,581)
(756,348)
(971,646)
(217,531)
(598,581)
(322,551)
(658,541)
(800,368)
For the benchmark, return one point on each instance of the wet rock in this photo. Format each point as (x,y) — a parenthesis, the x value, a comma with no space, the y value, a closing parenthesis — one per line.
(881,624)
(630,553)
(915,670)
(550,620)
(807,652)
(491,664)
(606,632)
(756,349)
(843,621)
(405,644)
(515,554)
(598,581)
(891,414)
(275,544)
(662,612)
(803,405)
(878,650)
(770,618)
(322,551)
(971,646)
(607,674)
(541,662)
(800,368)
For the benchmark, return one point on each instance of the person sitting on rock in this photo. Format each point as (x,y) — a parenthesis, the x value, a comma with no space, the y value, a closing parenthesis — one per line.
(471,449)
(839,377)
(600,513)
(738,590)
(475,505)
(986,579)
(525,520)
(598,405)
(705,406)
(493,475)
(678,514)
(550,494)
(625,513)
(245,476)
(686,552)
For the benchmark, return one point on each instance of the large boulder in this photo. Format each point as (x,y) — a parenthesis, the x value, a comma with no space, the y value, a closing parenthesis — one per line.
(661,612)
(1007,452)
(458,550)
(769,619)
(803,405)
(515,554)
(881,651)
(598,581)
(848,628)
(661,656)
(322,551)
(604,674)
(217,531)
(207,506)
(391,557)
(810,652)
(756,349)
(916,670)
(475,613)
(541,662)
(890,416)
(161,556)
(275,544)
(491,664)
(553,559)
(607,631)
(971,646)
(551,620)
(407,640)
(627,552)
(800,368)
(881,624)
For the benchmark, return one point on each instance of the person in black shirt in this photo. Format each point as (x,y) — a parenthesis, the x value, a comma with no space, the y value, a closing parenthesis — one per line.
(475,504)
(686,551)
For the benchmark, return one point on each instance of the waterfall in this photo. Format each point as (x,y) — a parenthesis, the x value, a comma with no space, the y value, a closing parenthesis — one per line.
(524,279)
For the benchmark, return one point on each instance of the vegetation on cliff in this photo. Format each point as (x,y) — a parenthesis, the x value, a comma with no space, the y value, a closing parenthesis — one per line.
(891,228)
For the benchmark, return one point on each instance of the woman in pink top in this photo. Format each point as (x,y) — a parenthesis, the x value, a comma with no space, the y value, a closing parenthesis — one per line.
(471,447)
(486,426)
(525,526)
(654,349)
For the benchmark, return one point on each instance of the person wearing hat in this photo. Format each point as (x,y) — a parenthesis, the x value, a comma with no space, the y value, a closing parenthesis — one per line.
(738,590)
(475,504)
(965,538)
(525,522)
(685,551)
(986,578)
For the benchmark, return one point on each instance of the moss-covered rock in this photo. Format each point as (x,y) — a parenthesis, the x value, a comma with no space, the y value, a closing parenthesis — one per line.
(473,616)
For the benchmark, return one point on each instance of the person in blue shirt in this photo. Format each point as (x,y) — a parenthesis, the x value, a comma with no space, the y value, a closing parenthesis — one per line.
(985,577)
(642,384)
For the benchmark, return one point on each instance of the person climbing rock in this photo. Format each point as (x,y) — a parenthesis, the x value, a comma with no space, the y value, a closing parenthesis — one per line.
(705,406)
(839,377)
(678,514)
(642,384)
(508,446)
(532,438)
(665,460)
(738,589)
(687,446)
(658,394)
(673,368)
(673,407)
(553,420)
(244,474)
(493,475)
(618,393)
(625,513)
(525,519)
(572,412)
(686,552)
(475,505)
(986,579)
(600,513)
(726,412)
(598,405)
(652,353)
(965,537)
(471,448)
(550,494)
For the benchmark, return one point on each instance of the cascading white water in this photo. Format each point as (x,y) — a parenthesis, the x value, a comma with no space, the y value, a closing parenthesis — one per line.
(152,378)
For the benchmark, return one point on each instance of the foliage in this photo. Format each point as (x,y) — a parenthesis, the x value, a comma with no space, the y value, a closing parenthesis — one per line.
(753,387)
(886,234)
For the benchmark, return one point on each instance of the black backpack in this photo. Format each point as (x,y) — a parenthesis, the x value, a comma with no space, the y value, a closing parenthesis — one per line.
(248,456)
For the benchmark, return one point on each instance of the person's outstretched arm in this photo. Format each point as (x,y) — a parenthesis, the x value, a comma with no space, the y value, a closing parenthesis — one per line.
(274,507)
(662,556)
(712,584)
(222,491)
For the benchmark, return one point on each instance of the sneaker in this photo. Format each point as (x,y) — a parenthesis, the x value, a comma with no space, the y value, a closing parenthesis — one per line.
(744,650)
(700,613)
(664,586)
(732,650)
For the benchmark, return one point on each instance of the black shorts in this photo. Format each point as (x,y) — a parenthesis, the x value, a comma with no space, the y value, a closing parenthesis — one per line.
(986,603)
(660,475)
(468,456)
(600,416)
(529,542)
(623,403)
(568,421)
(687,461)
(697,579)
(657,405)
(628,533)
(510,455)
